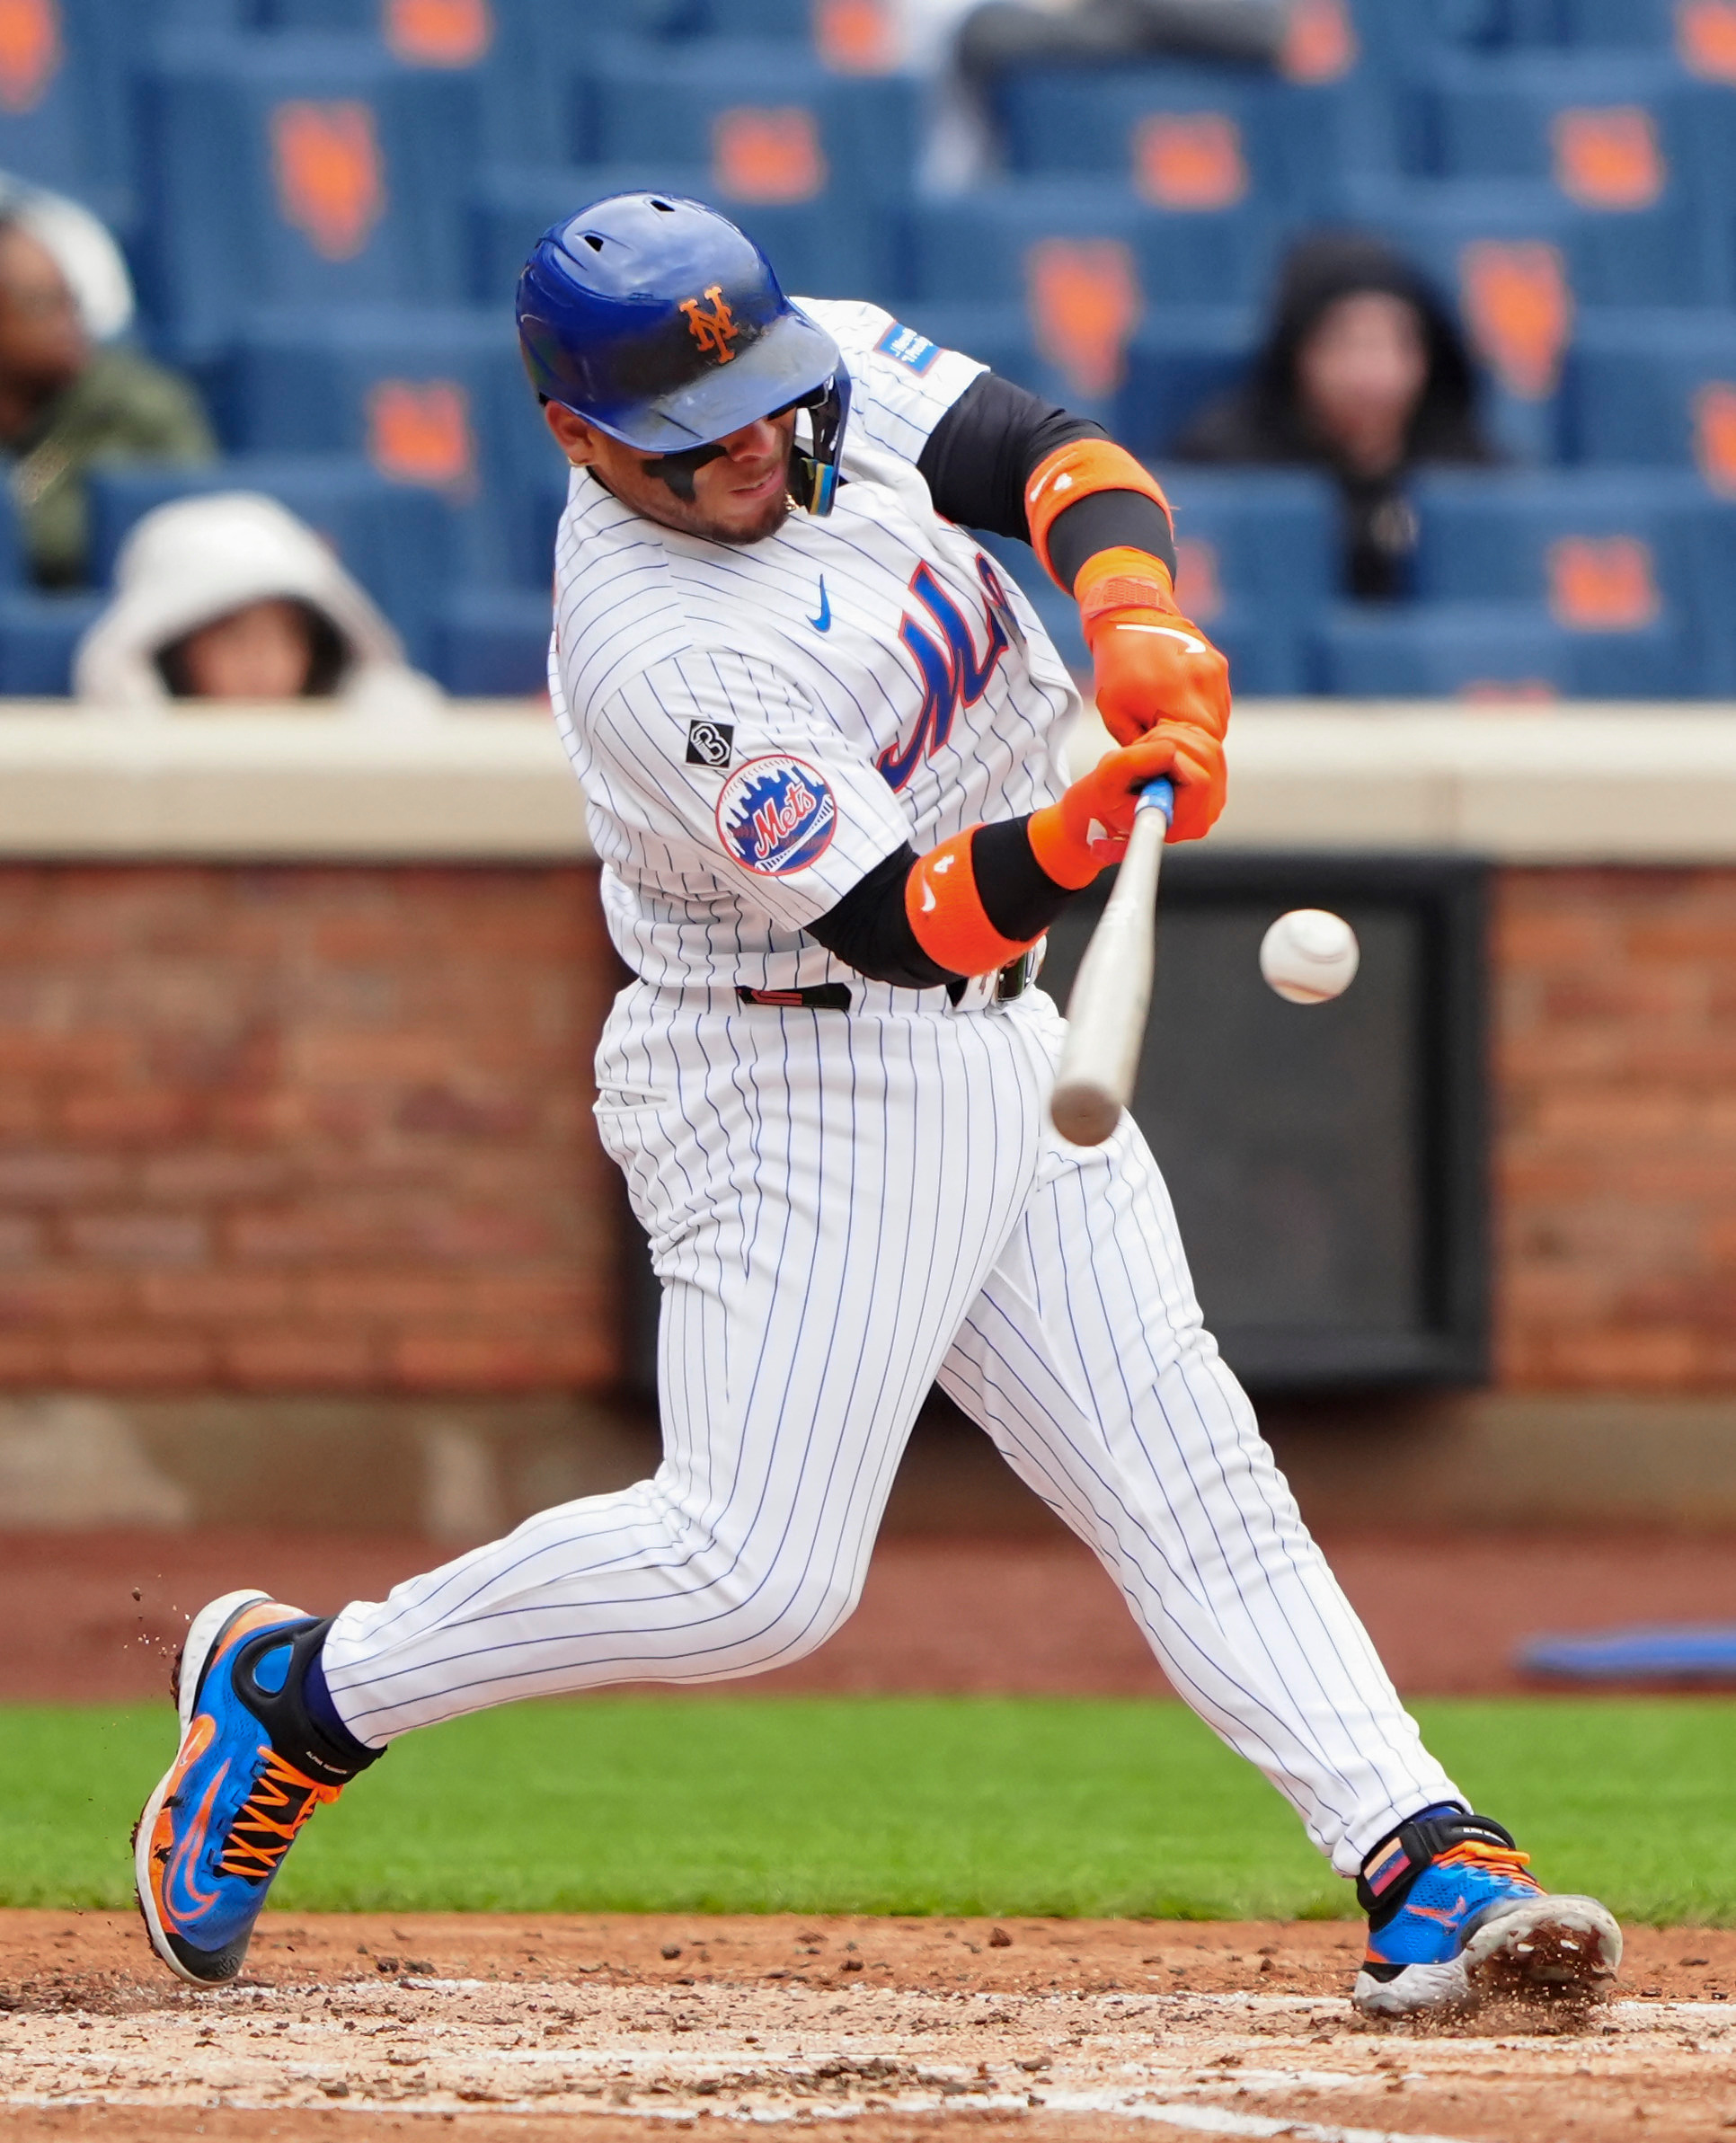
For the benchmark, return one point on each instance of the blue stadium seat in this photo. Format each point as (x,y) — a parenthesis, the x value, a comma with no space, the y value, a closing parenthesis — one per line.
(1611,555)
(39,636)
(1181,358)
(1491,651)
(520,54)
(66,109)
(1594,23)
(437,398)
(817,247)
(1627,137)
(770,121)
(13,569)
(493,643)
(1655,387)
(1184,137)
(398,539)
(1091,257)
(302,170)
(1257,555)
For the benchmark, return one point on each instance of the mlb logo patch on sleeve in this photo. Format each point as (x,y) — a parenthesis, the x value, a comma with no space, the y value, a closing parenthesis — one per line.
(711,743)
(914,352)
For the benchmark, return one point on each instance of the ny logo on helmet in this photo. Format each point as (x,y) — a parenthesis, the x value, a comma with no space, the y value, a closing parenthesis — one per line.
(714,330)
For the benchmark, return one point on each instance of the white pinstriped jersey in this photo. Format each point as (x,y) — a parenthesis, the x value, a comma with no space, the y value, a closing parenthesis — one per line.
(758,726)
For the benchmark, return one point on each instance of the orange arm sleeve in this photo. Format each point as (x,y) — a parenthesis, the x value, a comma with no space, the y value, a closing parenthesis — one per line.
(947,913)
(1072,472)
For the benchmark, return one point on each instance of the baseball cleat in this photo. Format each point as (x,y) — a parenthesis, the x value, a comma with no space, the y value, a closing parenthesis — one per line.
(1455,1918)
(251,1768)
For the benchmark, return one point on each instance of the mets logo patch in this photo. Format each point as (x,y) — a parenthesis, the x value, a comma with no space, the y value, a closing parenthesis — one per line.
(776,815)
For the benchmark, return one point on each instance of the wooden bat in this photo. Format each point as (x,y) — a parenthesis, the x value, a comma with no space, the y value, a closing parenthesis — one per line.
(1112,992)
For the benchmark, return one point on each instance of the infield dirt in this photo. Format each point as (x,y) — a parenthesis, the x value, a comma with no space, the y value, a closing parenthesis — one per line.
(351,2026)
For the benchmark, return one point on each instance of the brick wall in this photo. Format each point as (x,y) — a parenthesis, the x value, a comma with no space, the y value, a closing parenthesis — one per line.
(1615,1128)
(290,1129)
(328,1131)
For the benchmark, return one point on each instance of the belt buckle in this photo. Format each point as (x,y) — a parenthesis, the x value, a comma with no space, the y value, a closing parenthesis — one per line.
(1018,975)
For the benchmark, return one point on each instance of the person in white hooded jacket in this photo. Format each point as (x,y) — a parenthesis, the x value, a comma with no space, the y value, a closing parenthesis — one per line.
(229,596)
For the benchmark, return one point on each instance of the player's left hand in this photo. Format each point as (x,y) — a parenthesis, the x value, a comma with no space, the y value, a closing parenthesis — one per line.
(1154,667)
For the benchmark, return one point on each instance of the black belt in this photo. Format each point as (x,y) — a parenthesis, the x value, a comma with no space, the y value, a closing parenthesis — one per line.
(1013,979)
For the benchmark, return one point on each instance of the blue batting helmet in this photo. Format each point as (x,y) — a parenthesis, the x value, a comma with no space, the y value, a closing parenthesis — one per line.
(656,320)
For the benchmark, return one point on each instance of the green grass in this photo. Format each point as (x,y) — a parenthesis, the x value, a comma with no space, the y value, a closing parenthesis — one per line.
(895,1804)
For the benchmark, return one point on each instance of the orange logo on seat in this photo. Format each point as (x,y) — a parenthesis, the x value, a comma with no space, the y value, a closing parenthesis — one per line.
(857,36)
(1715,435)
(1198,589)
(1706,38)
(1602,583)
(716,331)
(1189,160)
(1609,158)
(1519,309)
(438,33)
(1319,42)
(1083,296)
(761,154)
(418,431)
(30,51)
(330,173)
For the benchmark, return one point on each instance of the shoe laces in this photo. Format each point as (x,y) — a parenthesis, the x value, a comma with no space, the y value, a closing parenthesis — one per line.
(281,1801)
(1491,1860)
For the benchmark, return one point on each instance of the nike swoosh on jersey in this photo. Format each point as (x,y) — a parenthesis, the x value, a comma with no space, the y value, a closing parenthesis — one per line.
(823,623)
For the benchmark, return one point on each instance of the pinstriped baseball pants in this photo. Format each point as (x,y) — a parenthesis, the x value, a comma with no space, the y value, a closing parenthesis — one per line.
(844,1208)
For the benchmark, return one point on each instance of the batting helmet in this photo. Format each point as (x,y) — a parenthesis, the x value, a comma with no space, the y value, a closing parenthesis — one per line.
(656,320)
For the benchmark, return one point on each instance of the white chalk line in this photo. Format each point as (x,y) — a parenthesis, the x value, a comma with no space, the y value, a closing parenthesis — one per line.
(1210,2121)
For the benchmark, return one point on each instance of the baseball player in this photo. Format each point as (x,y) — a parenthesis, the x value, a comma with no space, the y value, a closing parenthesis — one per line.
(817,734)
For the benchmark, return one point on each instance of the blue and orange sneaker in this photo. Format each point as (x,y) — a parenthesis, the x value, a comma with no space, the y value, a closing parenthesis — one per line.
(252,1768)
(1457,1918)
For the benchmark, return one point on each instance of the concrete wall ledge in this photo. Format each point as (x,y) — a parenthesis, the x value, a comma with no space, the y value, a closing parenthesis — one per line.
(487,781)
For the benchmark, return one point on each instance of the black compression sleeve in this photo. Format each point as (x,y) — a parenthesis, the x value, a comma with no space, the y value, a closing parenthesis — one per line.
(1018,895)
(979,456)
(869,929)
(982,455)
(1102,521)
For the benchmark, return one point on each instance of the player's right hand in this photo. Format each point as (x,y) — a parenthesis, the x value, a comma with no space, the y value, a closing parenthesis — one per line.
(1088,828)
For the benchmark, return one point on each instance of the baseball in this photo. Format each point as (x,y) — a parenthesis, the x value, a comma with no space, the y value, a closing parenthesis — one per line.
(1309,955)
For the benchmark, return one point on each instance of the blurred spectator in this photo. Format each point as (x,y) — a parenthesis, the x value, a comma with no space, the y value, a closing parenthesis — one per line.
(1365,373)
(967,44)
(65,403)
(230,596)
(82,245)
(1030,33)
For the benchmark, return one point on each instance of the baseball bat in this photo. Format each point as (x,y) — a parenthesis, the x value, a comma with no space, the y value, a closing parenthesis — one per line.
(1112,992)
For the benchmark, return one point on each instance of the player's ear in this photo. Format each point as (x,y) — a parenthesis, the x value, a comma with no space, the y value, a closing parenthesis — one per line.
(576,439)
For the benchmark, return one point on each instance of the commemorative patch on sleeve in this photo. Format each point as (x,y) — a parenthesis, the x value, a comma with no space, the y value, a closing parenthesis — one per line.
(776,815)
(711,744)
(915,352)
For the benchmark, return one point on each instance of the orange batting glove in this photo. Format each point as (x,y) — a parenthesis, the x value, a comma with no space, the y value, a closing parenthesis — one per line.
(1153,665)
(1088,828)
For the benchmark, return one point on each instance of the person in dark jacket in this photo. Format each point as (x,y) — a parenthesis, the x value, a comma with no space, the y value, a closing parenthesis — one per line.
(1365,374)
(68,405)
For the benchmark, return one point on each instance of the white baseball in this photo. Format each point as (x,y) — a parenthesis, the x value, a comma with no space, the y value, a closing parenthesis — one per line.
(1309,955)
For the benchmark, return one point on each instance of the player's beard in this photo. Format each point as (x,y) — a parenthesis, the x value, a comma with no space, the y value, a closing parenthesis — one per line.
(668,494)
